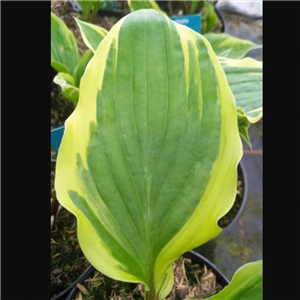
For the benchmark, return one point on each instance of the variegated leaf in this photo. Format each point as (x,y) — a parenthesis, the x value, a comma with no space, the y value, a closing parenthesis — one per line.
(92,34)
(245,80)
(149,156)
(246,284)
(64,52)
(229,46)
(67,84)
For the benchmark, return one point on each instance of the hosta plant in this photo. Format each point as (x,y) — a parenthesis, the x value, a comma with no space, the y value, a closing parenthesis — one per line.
(148,161)
(65,58)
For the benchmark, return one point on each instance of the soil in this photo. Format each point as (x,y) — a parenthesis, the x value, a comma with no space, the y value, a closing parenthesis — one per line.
(61,108)
(67,259)
(190,281)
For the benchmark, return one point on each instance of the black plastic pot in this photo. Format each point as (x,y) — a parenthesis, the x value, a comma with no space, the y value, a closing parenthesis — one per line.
(71,290)
(111,13)
(201,261)
(243,175)
(219,14)
(196,258)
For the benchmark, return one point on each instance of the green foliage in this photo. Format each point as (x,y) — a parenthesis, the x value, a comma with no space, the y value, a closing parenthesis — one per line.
(226,45)
(245,80)
(136,5)
(64,52)
(81,65)
(244,76)
(89,10)
(67,84)
(92,34)
(246,284)
(243,124)
(65,58)
(195,6)
(190,7)
(209,17)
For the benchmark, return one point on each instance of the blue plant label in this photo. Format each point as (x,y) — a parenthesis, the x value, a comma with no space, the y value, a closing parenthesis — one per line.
(191,21)
(56,137)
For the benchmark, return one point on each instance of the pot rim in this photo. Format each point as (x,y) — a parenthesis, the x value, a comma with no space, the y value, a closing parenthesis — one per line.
(72,287)
(111,13)
(202,260)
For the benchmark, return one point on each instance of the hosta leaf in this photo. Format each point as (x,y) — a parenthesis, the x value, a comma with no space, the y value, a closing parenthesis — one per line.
(92,34)
(229,46)
(246,284)
(243,124)
(195,6)
(67,84)
(209,17)
(59,67)
(89,9)
(136,5)
(245,80)
(149,156)
(81,65)
(64,52)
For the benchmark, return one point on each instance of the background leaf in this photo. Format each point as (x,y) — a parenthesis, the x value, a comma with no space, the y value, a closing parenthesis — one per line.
(92,34)
(245,80)
(246,284)
(89,9)
(195,6)
(67,84)
(80,68)
(59,67)
(136,5)
(243,124)
(64,52)
(209,17)
(226,45)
